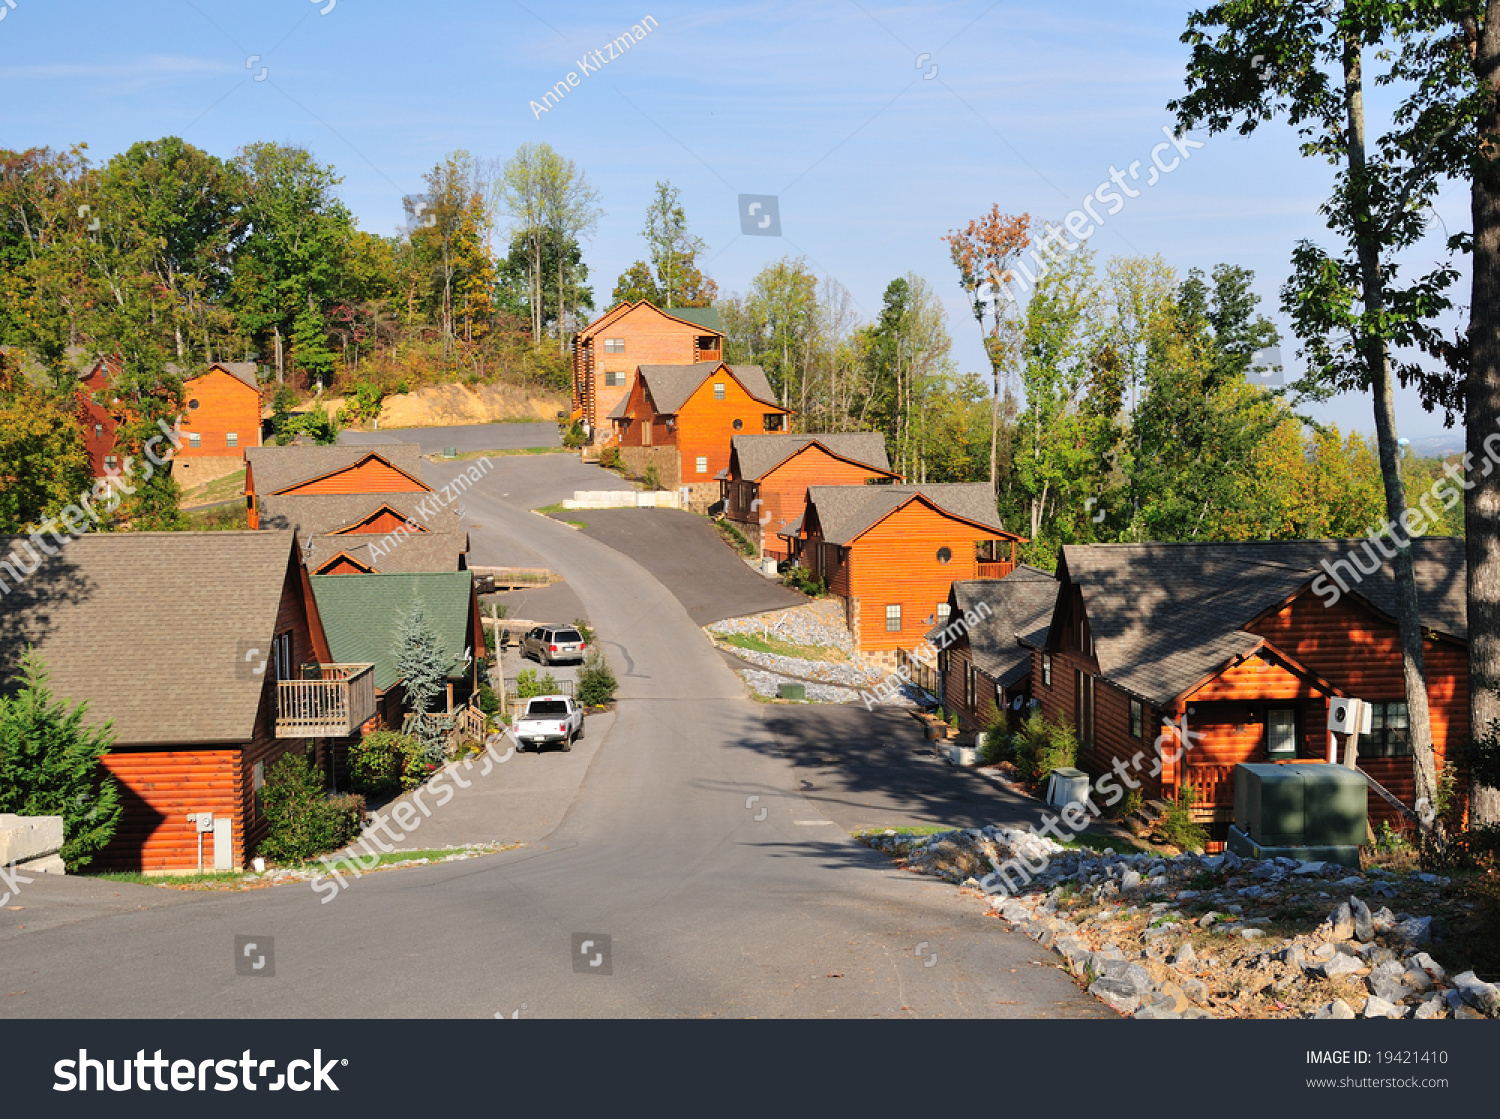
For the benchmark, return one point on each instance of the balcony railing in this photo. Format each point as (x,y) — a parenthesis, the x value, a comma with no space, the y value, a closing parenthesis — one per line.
(333,706)
(996,570)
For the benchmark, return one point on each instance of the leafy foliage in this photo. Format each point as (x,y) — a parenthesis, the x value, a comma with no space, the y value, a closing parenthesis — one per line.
(529,685)
(1177,825)
(50,764)
(1039,747)
(302,822)
(422,666)
(380,761)
(596,681)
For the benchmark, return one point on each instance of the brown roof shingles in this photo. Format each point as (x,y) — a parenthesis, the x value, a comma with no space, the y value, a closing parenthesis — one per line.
(846,512)
(276,468)
(757,455)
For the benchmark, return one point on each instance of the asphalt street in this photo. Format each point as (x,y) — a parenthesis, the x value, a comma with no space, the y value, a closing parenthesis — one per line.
(466,437)
(707,880)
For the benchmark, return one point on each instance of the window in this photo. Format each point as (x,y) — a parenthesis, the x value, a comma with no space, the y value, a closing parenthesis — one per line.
(1046,670)
(1389,735)
(646,434)
(614,345)
(738,424)
(969,686)
(193,405)
(708,342)
(944,555)
(771,421)
(110,462)
(1137,718)
(98,431)
(614,380)
(281,656)
(943,611)
(232,440)
(718,390)
(702,464)
(1281,732)
(1084,704)
(194,439)
(258,779)
(893,618)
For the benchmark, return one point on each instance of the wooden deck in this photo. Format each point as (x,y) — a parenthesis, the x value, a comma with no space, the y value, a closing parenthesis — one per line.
(333,706)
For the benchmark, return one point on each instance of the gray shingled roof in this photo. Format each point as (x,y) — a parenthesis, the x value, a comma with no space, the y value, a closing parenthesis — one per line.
(1019,603)
(1166,616)
(671,385)
(618,411)
(318,513)
(243,370)
(276,468)
(152,628)
(757,455)
(428,551)
(846,512)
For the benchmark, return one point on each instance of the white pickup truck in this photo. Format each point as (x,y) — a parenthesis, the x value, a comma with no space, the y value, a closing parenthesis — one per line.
(549,719)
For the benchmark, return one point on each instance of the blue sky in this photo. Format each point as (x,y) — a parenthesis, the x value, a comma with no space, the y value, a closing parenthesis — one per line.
(828,105)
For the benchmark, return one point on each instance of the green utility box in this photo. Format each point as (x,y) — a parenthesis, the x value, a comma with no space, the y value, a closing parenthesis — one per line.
(1314,812)
(792,691)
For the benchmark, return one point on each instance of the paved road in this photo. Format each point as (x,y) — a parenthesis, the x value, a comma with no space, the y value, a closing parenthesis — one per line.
(683,552)
(468,437)
(710,912)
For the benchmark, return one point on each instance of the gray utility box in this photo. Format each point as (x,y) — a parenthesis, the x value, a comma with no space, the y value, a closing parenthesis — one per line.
(1311,811)
(792,691)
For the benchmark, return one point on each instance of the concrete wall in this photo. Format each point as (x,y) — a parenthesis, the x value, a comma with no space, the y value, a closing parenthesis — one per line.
(32,843)
(623,499)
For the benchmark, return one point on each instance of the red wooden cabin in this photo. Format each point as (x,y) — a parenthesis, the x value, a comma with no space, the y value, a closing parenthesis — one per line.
(302,471)
(1242,641)
(765,489)
(984,669)
(608,350)
(891,553)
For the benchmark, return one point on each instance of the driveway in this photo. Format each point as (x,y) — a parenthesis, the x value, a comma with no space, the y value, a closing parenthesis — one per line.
(682,551)
(465,437)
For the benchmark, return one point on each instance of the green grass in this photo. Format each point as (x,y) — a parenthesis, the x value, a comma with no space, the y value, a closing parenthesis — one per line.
(907,829)
(136,877)
(577,524)
(432,855)
(511,452)
(782,648)
(1107,843)
(219,518)
(547,510)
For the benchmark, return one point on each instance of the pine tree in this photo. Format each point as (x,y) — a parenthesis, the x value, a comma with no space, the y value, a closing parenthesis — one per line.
(49,764)
(422,665)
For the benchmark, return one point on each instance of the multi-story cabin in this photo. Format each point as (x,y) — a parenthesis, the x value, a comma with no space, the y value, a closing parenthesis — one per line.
(300,471)
(221,421)
(205,653)
(680,420)
(891,553)
(983,667)
(1247,643)
(765,488)
(608,350)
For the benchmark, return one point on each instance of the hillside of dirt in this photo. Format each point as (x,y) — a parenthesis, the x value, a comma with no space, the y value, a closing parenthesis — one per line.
(442,405)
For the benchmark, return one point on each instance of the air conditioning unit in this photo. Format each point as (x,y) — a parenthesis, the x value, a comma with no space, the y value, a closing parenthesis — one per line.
(1349,716)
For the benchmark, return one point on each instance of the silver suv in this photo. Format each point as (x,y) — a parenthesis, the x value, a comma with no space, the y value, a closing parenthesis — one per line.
(550,644)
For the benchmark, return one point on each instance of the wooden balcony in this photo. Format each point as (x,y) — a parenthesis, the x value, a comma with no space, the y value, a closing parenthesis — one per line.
(996,570)
(333,706)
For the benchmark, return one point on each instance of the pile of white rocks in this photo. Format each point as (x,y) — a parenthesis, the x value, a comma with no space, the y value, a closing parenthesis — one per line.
(1127,925)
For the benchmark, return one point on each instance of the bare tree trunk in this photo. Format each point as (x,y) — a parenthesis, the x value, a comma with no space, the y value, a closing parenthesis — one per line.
(1408,617)
(1482,414)
(280,368)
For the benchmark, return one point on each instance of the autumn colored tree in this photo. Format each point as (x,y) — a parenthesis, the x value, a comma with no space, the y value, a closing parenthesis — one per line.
(984,252)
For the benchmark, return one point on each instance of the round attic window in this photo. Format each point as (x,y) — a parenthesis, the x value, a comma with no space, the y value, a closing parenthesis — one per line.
(738,424)
(192,404)
(944,555)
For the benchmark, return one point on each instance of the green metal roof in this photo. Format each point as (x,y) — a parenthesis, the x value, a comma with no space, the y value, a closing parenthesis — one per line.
(702,316)
(361,614)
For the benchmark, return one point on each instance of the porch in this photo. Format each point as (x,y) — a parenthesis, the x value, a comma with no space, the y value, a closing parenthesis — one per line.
(334,703)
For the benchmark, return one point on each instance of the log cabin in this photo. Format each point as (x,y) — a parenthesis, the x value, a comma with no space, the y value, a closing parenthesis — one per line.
(680,419)
(303,471)
(1247,642)
(362,613)
(205,654)
(891,553)
(608,350)
(221,420)
(984,668)
(765,488)
(377,532)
